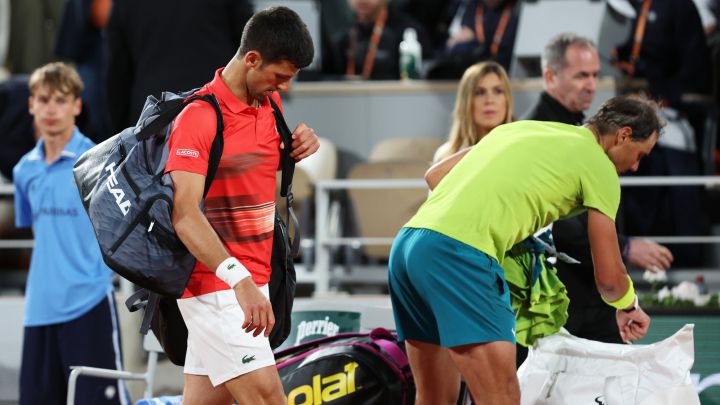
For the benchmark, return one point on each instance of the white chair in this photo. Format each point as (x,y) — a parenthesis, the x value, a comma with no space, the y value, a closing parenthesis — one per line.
(322,165)
(150,344)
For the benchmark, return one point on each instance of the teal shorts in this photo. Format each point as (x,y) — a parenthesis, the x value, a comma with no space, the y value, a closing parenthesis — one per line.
(447,293)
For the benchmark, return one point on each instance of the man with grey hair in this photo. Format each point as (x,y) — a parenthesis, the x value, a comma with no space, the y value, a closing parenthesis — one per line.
(570,71)
(571,66)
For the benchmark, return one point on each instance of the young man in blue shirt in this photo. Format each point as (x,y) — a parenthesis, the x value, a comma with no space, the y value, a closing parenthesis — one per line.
(70,316)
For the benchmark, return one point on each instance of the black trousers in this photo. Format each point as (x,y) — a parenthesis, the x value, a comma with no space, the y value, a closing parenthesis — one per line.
(93,339)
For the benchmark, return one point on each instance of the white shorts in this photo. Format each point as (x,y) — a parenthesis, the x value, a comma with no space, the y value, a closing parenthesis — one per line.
(218,346)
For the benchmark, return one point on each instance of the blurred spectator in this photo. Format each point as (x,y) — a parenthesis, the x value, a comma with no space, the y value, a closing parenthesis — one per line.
(708,16)
(483,102)
(80,39)
(33,24)
(17,139)
(570,71)
(571,66)
(667,47)
(16,124)
(479,30)
(369,49)
(17,131)
(433,15)
(336,18)
(70,314)
(163,45)
(4,37)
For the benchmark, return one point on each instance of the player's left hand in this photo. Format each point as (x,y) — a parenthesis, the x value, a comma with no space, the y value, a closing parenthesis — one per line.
(304,142)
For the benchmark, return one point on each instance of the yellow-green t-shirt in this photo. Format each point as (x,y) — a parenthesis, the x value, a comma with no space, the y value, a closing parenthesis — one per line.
(519,178)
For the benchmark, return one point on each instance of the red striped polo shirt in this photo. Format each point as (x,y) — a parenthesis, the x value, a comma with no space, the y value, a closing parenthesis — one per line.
(240,204)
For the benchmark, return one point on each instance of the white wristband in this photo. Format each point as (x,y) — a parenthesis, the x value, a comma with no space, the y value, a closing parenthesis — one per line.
(231,271)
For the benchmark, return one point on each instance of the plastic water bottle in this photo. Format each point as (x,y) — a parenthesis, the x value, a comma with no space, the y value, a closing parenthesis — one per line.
(410,55)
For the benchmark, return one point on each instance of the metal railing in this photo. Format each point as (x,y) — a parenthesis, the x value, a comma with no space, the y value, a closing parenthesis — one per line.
(320,272)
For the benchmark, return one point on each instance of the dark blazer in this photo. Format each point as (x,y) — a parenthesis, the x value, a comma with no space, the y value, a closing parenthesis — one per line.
(549,109)
(162,45)
(674,56)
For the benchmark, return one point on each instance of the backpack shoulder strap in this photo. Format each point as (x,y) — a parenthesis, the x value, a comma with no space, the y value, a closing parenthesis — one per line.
(388,343)
(218,144)
(287,162)
(288,170)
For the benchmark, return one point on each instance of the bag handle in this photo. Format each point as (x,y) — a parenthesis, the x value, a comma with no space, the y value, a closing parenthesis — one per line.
(143,298)
(316,342)
(388,343)
(165,116)
(218,144)
(168,112)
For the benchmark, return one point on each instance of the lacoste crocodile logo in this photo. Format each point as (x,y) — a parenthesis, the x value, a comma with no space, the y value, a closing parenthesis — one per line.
(247,359)
(231,266)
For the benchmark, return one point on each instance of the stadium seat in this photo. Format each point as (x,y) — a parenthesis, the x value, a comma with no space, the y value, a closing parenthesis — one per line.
(400,149)
(382,212)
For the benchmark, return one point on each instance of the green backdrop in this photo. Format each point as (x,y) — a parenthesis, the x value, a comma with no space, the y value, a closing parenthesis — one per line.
(707,347)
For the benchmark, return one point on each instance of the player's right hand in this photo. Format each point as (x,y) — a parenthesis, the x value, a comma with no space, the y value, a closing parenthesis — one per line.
(632,325)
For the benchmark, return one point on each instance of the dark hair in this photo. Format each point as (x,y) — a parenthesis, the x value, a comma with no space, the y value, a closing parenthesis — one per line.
(628,111)
(278,34)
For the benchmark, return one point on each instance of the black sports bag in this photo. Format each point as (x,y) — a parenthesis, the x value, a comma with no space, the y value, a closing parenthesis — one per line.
(347,369)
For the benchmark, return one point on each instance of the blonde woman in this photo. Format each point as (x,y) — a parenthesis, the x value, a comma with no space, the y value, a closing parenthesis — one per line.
(483,102)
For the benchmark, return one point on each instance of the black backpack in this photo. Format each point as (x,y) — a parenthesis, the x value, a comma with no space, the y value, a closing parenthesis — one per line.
(129,201)
(348,368)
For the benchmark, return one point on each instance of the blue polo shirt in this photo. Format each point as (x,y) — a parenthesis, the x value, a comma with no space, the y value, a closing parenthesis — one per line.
(67,274)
